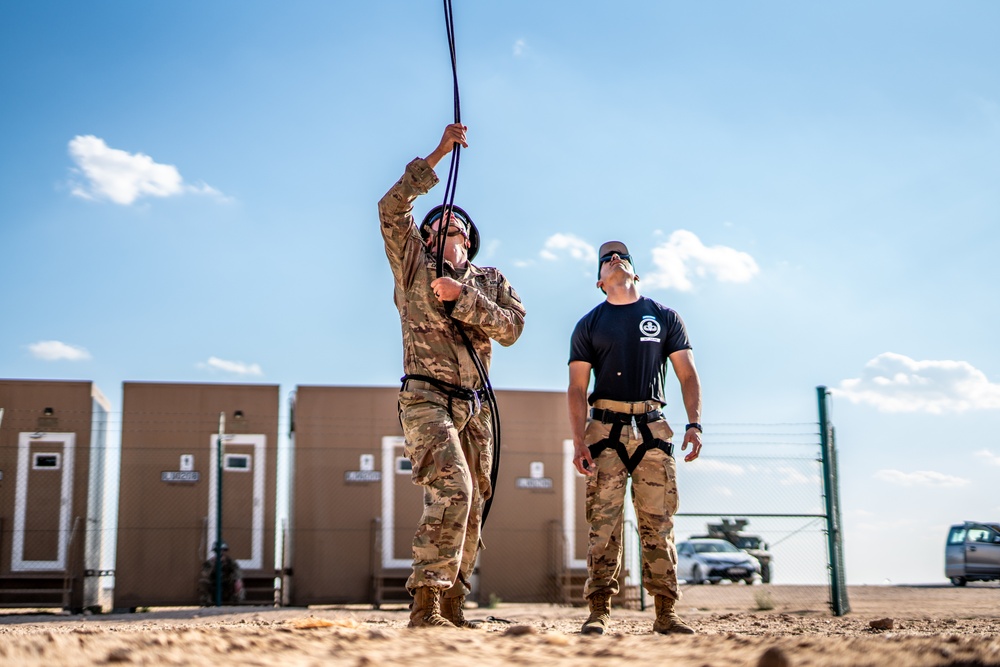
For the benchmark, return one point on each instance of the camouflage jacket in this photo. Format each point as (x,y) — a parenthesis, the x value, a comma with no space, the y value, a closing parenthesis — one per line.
(488,306)
(231,570)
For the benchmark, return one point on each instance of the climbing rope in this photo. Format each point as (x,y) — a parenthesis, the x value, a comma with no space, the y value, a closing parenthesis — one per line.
(442,234)
(456,154)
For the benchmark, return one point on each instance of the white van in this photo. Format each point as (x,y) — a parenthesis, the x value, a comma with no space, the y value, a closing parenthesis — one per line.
(972,552)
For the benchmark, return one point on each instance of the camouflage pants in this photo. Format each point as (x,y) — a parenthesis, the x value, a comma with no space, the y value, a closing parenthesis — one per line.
(206,591)
(451,454)
(654,496)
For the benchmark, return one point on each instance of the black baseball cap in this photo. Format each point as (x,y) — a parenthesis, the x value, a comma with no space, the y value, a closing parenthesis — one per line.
(611,247)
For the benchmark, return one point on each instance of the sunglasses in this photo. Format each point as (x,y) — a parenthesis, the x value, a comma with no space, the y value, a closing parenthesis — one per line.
(610,256)
(452,231)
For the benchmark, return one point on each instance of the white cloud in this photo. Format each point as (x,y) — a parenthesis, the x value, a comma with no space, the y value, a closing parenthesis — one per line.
(520,48)
(895,383)
(790,476)
(926,478)
(236,367)
(713,466)
(683,257)
(54,350)
(122,177)
(489,249)
(567,244)
(989,457)
(723,491)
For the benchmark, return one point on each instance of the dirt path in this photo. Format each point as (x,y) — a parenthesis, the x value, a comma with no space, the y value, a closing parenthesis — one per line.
(923,626)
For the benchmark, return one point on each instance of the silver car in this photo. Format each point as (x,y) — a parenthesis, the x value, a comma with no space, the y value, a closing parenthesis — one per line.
(712,560)
(972,552)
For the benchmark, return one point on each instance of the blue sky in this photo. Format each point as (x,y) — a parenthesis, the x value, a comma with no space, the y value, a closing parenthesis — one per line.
(188,191)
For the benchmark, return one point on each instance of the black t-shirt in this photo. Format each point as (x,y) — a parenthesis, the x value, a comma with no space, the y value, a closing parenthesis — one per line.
(628,347)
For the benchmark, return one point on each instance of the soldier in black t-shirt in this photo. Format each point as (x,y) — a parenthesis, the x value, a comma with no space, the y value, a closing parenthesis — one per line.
(626,341)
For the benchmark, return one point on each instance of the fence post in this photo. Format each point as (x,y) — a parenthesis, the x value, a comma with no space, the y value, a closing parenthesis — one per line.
(218,511)
(835,544)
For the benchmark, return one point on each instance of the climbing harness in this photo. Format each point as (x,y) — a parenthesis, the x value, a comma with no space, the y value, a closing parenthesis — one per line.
(474,397)
(639,423)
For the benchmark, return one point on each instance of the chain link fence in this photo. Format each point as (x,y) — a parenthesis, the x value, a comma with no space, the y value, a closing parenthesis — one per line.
(318,508)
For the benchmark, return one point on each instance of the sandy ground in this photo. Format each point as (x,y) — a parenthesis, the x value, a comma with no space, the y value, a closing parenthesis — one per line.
(932,625)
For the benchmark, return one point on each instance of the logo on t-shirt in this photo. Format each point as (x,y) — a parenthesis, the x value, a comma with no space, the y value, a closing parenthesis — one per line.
(649,327)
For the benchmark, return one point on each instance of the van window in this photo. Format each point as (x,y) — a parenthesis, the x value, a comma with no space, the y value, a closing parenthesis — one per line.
(979,535)
(957,535)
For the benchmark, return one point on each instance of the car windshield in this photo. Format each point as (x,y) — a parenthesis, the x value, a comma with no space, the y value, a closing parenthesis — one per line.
(746,542)
(714,547)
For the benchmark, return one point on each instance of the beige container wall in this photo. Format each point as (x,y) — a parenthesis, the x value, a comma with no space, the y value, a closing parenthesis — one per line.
(24,403)
(523,534)
(332,518)
(163,535)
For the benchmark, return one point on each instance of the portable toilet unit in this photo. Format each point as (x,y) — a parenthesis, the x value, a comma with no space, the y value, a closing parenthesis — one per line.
(53,454)
(354,508)
(537,533)
(169,491)
(536,526)
(347,462)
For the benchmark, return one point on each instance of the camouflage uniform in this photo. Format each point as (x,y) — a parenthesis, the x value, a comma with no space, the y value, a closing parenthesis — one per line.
(654,489)
(231,573)
(448,441)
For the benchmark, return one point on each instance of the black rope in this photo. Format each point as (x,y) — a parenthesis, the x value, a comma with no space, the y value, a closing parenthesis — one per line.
(442,235)
(452,181)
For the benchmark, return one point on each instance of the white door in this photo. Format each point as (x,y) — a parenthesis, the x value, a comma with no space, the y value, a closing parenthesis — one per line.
(43,502)
(575,527)
(402,505)
(243,468)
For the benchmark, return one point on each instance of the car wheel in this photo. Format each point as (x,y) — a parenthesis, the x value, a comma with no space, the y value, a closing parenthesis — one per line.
(748,581)
(714,582)
(958,581)
(765,574)
(697,578)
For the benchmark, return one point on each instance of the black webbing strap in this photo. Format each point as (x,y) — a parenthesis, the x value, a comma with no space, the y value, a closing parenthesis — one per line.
(612,417)
(449,389)
(614,441)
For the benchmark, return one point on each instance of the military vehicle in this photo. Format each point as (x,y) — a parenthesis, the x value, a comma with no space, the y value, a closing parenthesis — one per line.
(730,530)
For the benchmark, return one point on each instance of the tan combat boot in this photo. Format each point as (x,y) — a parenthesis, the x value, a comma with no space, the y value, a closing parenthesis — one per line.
(600,613)
(426,610)
(453,609)
(667,622)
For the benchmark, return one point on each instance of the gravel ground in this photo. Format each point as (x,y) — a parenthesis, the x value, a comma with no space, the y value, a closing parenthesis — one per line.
(888,625)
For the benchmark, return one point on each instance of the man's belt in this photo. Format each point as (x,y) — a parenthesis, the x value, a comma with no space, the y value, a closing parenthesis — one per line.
(611,417)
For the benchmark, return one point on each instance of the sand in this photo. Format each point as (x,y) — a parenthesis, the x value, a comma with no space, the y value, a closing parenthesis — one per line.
(888,625)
